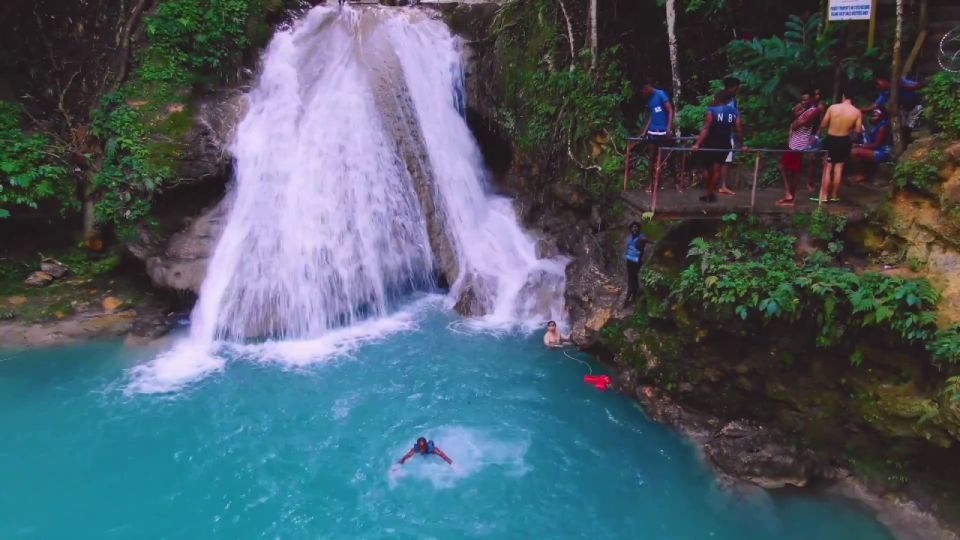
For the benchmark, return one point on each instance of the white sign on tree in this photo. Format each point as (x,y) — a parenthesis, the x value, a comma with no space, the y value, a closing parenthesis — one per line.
(850,10)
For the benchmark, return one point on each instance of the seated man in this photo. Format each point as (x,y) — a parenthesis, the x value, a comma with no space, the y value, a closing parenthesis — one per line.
(553,337)
(425,448)
(876,150)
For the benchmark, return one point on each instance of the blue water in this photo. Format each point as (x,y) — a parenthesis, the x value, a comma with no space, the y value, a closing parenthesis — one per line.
(260,450)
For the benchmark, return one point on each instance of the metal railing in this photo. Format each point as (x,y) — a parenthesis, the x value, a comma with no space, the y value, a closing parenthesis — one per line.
(686,151)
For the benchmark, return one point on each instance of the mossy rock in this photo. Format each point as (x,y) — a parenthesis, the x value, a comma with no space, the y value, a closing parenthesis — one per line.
(900,411)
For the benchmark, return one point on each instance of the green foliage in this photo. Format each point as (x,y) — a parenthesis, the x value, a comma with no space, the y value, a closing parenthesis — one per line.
(941,102)
(945,347)
(921,174)
(748,271)
(951,389)
(776,70)
(143,123)
(31,170)
(554,105)
(129,175)
(190,39)
(820,224)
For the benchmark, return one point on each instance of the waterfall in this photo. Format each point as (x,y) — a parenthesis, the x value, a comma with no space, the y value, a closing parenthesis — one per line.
(357,181)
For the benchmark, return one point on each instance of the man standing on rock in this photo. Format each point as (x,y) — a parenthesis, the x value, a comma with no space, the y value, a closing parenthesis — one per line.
(659,124)
(636,241)
(841,120)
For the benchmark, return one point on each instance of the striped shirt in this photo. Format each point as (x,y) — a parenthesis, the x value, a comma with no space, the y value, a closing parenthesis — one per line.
(802,137)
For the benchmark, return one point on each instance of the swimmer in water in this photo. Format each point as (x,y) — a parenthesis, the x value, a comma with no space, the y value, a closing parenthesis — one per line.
(425,448)
(553,337)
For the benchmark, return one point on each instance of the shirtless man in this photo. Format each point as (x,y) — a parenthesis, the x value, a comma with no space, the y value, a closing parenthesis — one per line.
(553,337)
(840,121)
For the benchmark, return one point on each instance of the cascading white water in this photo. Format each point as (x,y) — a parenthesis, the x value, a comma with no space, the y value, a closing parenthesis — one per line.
(497,259)
(353,155)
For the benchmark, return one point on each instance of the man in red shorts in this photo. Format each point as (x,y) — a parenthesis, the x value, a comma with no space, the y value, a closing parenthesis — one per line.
(801,134)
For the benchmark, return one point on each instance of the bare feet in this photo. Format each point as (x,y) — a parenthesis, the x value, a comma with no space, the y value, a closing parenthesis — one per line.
(725,191)
(786,201)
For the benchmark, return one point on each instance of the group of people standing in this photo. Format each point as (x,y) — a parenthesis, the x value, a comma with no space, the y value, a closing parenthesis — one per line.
(722,133)
(722,130)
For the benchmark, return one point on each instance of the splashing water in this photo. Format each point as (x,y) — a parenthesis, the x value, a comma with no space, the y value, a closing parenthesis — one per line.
(357,181)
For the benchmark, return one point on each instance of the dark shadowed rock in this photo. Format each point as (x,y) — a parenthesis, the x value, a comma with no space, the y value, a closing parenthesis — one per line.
(474,299)
(751,452)
(55,268)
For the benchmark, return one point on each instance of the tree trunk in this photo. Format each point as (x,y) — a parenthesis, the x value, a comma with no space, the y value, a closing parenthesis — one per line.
(573,50)
(91,235)
(674,56)
(894,106)
(593,34)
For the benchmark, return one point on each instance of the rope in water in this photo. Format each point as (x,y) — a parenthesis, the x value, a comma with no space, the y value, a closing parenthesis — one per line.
(579,360)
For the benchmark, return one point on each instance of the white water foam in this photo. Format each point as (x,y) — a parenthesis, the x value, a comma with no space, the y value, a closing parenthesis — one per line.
(326,230)
(471,450)
(187,362)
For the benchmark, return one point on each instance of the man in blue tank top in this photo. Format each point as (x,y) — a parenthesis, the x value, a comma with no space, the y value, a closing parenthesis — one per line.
(731,85)
(717,133)
(636,242)
(425,448)
(659,123)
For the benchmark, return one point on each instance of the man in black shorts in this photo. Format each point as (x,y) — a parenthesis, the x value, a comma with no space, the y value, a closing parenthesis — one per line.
(717,133)
(841,120)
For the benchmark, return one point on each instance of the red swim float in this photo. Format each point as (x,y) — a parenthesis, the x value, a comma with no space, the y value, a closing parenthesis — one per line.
(600,382)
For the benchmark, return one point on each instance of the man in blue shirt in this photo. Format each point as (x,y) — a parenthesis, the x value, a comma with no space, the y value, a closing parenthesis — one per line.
(636,241)
(731,86)
(659,123)
(910,102)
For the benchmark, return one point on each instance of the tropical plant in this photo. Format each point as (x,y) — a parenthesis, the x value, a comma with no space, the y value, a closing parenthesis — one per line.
(749,271)
(777,69)
(941,102)
(946,346)
(556,107)
(31,168)
(919,173)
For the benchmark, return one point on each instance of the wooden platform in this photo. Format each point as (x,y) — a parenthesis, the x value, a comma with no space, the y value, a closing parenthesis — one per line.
(855,201)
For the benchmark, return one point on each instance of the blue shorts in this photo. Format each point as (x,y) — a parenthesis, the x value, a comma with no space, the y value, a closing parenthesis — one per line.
(882,155)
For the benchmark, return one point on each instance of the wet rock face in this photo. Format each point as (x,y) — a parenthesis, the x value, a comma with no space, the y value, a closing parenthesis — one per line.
(925,226)
(206,156)
(182,264)
(176,255)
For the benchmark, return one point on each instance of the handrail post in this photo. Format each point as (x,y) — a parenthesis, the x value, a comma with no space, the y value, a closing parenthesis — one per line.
(626,165)
(656,182)
(683,172)
(756,173)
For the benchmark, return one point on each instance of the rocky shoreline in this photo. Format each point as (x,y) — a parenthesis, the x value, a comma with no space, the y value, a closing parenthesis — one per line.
(747,455)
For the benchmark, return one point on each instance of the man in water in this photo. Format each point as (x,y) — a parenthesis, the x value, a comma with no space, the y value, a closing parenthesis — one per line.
(841,120)
(425,448)
(636,241)
(553,337)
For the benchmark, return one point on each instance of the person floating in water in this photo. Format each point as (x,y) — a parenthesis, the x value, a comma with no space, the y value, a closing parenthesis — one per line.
(553,337)
(425,448)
